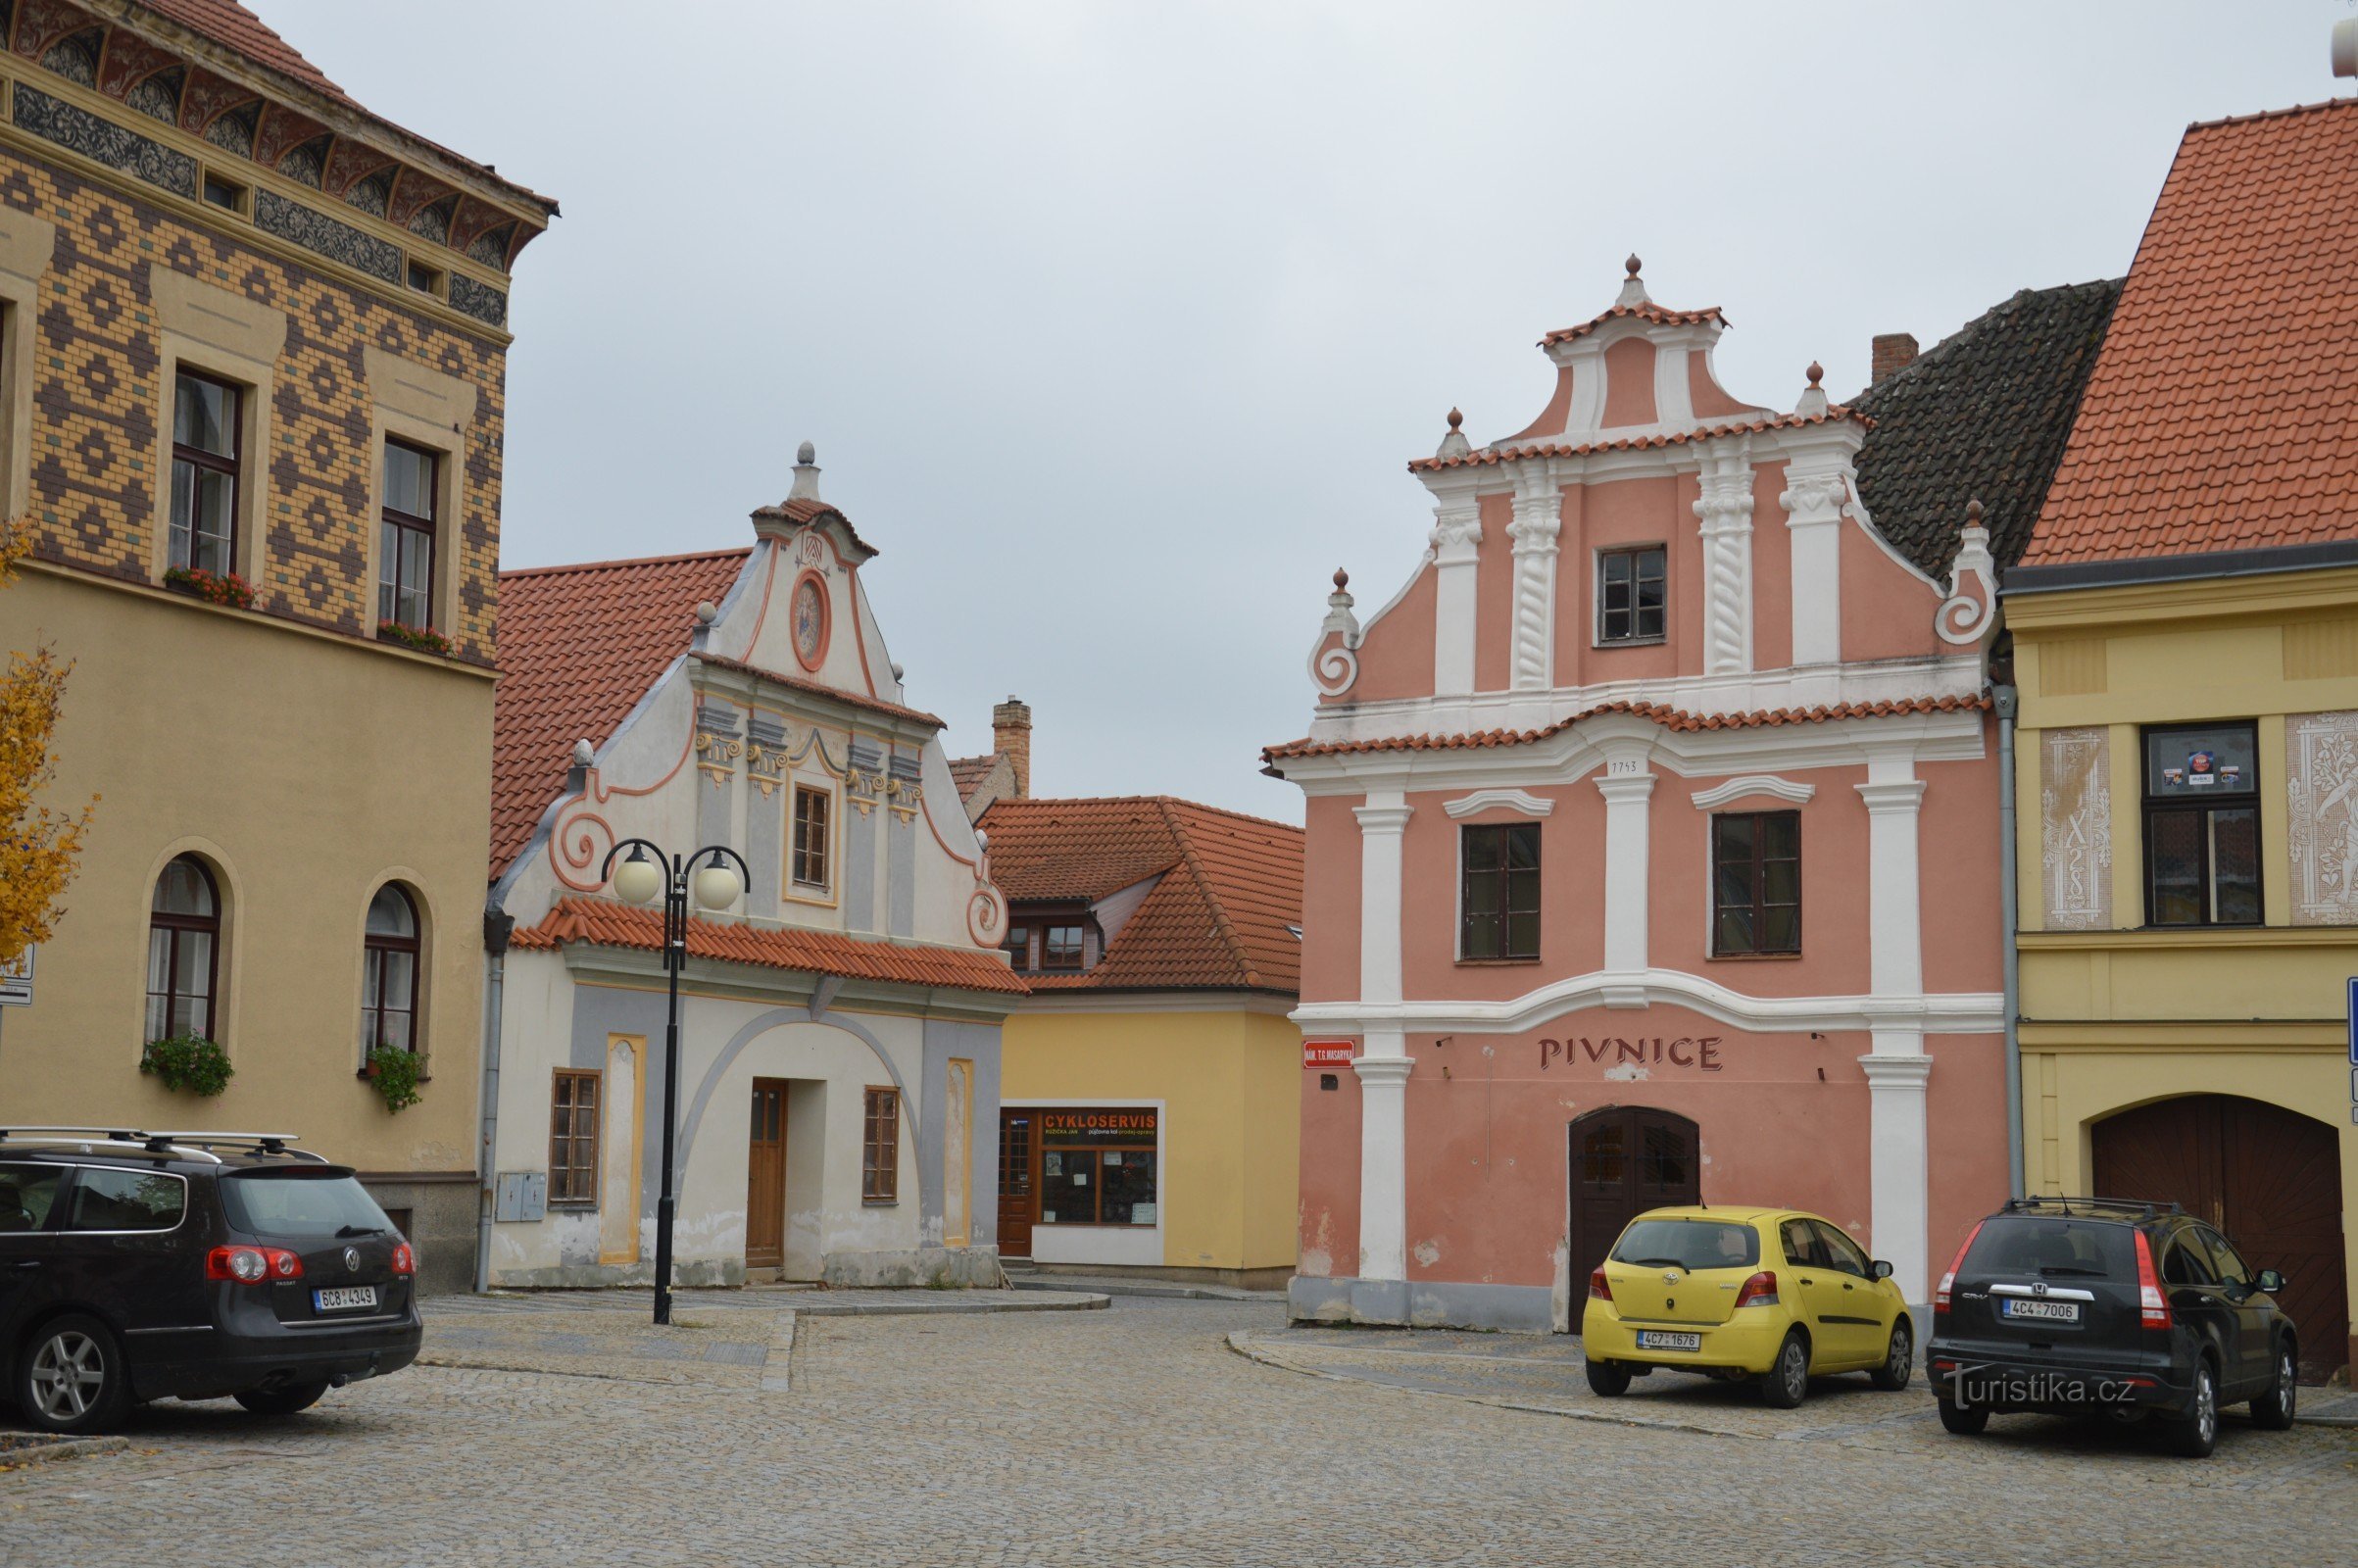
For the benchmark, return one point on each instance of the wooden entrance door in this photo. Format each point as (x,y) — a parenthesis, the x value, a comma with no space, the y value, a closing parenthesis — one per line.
(1019,1202)
(766,1177)
(1625,1160)
(2268,1177)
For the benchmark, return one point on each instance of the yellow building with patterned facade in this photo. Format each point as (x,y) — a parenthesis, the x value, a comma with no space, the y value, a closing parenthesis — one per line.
(252,379)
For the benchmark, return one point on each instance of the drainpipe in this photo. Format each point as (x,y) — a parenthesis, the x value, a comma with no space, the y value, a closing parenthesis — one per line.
(2006,701)
(498,925)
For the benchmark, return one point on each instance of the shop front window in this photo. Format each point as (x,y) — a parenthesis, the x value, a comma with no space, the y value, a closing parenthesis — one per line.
(1100,1166)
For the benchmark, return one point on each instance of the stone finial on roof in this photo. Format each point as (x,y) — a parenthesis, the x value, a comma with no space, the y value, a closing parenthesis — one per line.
(1813,398)
(1455,444)
(805,473)
(584,754)
(1633,287)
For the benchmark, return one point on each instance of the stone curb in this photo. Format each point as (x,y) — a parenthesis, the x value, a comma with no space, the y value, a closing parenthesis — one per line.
(73,1449)
(1073,1302)
(1159,1289)
(777,1369)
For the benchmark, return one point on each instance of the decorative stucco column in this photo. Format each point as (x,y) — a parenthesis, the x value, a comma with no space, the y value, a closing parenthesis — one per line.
(1538,519)
(1383,1063)
(1457,555)
(1628,790)
(1813,497)
(1899,1165)
(1725,510)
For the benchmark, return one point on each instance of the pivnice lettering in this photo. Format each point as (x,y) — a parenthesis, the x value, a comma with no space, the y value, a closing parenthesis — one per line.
(1684,1052)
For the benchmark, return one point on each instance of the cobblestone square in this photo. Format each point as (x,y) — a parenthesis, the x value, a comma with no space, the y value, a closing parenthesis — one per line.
(1132,1435)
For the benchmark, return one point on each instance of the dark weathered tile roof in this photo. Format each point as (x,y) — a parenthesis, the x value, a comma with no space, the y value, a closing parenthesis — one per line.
(1982,415)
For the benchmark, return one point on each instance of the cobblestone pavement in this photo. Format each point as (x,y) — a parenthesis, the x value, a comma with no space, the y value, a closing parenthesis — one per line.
(1133,1435)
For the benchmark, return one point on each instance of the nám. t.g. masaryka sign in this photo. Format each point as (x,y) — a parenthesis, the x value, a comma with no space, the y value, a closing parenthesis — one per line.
(1699,1054)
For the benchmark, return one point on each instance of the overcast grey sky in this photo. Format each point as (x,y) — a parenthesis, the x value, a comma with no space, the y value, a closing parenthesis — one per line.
(1114,324)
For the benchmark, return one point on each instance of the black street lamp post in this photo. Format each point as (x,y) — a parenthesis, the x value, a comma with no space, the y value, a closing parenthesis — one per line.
(707,873)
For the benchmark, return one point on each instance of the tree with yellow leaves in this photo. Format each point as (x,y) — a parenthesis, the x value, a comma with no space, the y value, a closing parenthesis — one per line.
(37,845)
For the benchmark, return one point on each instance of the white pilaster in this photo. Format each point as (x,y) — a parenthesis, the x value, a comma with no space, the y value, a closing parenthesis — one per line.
(1894,797)
(1537,520)
(1456,555)
(1384,1156)
(1814,497)
(1627,788)
(1725,511)
(1382,821)
(1898,1167)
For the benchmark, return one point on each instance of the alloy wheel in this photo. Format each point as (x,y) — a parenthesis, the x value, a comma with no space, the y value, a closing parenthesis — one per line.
(1797,1369)
(69,1373)
(1901,1361)
(2206,1408)
(2287,1383)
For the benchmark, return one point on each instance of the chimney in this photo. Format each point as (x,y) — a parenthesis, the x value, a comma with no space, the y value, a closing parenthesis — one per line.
(1894,350)
(1011,733)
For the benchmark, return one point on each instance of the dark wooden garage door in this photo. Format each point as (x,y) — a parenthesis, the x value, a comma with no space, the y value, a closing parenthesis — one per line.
(1625,1160)
(2269,1178)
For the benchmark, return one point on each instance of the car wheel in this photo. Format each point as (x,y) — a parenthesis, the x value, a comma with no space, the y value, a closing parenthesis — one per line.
(71,1377)
(1785,1382)
(2196,1433)
(282,1401)
(2273,1411)
(1608,1380)
(1898,1361)
(1964,1420)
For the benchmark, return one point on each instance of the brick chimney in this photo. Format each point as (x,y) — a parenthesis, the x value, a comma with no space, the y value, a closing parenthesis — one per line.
(1011,733)
(1894,350)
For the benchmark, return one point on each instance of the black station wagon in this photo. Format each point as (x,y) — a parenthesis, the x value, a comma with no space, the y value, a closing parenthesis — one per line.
(2092,1306)
(138,1267)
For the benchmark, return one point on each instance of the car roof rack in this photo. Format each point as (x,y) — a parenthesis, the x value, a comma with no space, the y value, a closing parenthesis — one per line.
(2142,1208)
(166,1143)
(121,1135)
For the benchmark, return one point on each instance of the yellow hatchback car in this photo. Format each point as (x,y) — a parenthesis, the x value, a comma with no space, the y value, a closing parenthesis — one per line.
(1769,1293)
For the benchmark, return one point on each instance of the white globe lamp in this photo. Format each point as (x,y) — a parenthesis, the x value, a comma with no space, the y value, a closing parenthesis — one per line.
(638,880)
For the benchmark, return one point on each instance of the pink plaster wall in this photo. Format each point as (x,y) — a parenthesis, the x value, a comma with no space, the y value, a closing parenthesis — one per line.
(1772,571)
(1329,1192)
(1571,915)
(1965,1129)
(1629,512)
(1833,887)
(1957,868)
(1710,399)
(1628,383)
(1396,658)
(1494,597)
(1330,899)
(1886,609)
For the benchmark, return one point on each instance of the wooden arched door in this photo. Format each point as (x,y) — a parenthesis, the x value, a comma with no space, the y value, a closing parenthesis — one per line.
(1625,1160)
(2269,1177)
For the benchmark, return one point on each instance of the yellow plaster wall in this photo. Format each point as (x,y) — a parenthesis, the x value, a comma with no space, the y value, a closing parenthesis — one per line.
(1230,1084)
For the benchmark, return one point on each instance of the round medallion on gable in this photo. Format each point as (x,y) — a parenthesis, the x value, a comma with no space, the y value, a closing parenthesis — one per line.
(806,614)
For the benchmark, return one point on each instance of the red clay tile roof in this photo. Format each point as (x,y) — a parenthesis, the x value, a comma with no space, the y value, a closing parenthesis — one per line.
(833,694)
(1648,312)
(578,647)
(2218,417)
(1668,717)
(1231,885)
(604,923)
(1481,455)
(233,26)
(809,510)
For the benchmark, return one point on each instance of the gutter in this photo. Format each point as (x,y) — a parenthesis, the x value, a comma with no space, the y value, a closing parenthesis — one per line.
(2006,701)
(2266,561)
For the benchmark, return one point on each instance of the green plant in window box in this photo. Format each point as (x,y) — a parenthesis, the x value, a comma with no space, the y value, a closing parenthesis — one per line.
(426,639)
(188,1061)
(395,1074)
(212,587)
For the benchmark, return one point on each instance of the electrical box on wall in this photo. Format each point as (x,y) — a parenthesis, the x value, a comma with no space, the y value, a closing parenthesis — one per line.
(521,1196)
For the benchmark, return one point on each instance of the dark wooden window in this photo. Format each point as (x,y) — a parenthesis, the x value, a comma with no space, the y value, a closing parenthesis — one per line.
(880,1148)
(183,952)
(225,192)
(810,852)
(1499,899)
(205,458)
(2202,825)
(573,1136)
(1630,604)
(1018,945)
(405,536)
(1755,883)
(389,972)
(1061,947)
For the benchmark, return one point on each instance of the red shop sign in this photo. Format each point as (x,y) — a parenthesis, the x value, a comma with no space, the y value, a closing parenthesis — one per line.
(1327,1052)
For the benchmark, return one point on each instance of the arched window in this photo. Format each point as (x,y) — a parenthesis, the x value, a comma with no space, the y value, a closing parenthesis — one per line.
(183,952)
(389,978)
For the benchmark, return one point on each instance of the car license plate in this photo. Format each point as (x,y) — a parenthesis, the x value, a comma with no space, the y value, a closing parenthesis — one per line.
(1658,1340)
(345,1298)
(2050,1311)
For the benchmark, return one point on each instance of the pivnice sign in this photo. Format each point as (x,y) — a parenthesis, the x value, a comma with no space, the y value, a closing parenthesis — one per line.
(1698,1053)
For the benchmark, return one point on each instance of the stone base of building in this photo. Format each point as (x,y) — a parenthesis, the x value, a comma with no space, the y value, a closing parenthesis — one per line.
(1422,1305)
(934,1267)
(1239,1279)
(437,1215)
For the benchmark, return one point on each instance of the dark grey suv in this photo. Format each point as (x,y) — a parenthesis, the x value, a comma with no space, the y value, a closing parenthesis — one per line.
(139,1266)
(2093,1305)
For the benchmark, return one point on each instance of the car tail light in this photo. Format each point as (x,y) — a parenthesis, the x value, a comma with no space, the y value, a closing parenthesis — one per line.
(1948,1280)
(404,1261)
(251,1266)
(2152,1307)
(1759,1291)
(1600,1289)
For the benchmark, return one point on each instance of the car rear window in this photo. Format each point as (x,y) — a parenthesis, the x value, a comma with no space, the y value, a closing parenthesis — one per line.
(1689,1244)
(295,1203)
(2053,1247)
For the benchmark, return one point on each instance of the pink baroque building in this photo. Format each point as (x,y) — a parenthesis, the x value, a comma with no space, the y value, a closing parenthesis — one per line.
(1652,853)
